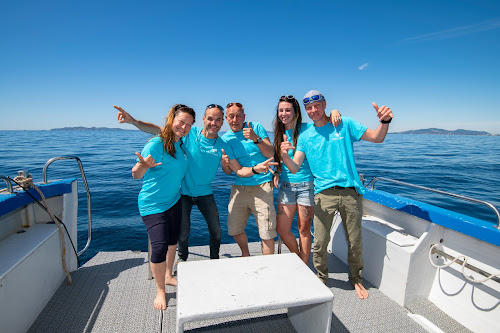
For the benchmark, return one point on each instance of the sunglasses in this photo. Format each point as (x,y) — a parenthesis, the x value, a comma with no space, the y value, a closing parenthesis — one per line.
(287,97)
(215,106)
(233,104)
(178,106)
(313,99)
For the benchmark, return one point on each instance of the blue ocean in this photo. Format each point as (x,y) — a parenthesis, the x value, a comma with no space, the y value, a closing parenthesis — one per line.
(465,165)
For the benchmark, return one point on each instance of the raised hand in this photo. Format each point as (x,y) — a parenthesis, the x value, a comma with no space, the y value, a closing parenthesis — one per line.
(286,146)
(335,118)
(383,113)
(248,133)
(123,116)
(265,166)
(148,162)
(224,159)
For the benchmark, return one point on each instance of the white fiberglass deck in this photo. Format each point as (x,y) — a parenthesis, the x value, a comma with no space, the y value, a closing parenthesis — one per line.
(110,293)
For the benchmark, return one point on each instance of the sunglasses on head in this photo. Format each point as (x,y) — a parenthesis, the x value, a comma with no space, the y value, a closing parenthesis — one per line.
(178,106)
(287,97)
(215,106)
(313,99)
(233,104)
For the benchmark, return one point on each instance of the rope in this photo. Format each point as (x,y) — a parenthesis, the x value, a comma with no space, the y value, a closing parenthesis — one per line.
(464,263)
(27,183)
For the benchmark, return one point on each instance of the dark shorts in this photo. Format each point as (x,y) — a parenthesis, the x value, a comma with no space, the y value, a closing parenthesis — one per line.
(163,230)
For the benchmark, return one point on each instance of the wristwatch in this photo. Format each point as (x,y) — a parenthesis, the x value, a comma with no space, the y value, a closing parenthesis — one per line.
(259,140)
(386,121)
(253,170)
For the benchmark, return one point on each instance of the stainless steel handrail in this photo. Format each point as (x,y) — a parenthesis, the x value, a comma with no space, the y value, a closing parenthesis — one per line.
(89,237)
(465,264)
(7,182)
(371,184)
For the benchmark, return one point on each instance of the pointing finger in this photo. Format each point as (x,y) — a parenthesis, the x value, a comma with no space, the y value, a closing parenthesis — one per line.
(375,106)
(248,124)
(284,137)
(223,152)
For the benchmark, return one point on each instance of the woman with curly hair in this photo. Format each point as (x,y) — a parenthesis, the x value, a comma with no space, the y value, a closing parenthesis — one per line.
(162,164)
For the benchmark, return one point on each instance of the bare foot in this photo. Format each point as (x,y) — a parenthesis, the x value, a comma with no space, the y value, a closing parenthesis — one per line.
(361,291)
(160,300)
(171,281)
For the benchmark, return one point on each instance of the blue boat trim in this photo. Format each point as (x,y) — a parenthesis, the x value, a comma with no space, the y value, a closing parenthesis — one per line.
(11,202)
(464,224)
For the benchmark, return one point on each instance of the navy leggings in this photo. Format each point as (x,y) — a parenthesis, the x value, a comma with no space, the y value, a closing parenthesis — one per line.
(163,230)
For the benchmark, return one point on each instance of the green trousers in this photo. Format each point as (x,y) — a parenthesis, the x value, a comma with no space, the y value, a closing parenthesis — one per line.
(349,203)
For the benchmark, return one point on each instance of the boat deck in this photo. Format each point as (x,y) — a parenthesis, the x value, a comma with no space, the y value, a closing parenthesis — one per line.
(111,293)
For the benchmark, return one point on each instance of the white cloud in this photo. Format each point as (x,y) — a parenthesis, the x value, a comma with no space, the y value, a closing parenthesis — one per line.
(363,66)
(456,32)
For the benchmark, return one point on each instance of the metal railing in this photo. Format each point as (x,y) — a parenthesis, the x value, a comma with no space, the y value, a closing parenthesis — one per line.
(464,264)
(7,182)
(84,179)
(371,185)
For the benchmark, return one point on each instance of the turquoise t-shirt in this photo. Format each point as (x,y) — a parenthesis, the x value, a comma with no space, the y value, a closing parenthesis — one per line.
(247,153)
(161,185)
(304,174)
(204,157)
(330,153)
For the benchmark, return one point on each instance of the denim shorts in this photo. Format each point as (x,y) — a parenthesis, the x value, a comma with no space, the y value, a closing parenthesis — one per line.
(297,193)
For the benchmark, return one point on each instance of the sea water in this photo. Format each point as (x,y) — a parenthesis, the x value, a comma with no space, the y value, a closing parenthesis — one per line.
(465,165)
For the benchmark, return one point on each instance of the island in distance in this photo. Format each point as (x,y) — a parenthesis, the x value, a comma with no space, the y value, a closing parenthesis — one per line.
(419,131)
(443,132)
(81,128)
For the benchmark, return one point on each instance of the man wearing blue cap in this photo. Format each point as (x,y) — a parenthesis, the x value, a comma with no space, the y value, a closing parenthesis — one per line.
(329,151)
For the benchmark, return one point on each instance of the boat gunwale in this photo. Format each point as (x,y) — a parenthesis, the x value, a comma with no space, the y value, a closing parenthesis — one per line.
(468,225)
(12,201)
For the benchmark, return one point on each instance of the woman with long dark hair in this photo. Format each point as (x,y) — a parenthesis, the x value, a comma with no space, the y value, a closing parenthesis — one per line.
(296,191)
(163,165)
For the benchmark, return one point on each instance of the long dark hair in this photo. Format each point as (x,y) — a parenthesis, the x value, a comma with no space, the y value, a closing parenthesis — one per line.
(279,127)
(167,134)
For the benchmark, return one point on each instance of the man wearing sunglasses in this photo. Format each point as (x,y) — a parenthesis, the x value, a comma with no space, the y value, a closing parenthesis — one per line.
(204,149)
(252,191)
(329,151)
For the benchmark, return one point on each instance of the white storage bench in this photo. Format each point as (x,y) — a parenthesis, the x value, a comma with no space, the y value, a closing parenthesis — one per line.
(211,289)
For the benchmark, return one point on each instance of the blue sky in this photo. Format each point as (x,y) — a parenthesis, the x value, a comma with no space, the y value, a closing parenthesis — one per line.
(65,63)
